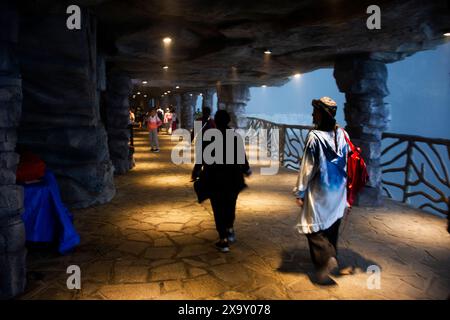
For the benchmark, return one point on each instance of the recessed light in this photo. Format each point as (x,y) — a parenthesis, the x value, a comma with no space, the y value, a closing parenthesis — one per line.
(168,91)
(297,75)
(267,52)
(190,94)
(177,87)
(264,86)
(167,40)
(138,93)
(144,82)
(447,34)
(145,96)
(166,67)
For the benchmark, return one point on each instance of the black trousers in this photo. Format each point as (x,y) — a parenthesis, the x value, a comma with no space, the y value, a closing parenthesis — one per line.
(323,245)
(224,208)
(131,134)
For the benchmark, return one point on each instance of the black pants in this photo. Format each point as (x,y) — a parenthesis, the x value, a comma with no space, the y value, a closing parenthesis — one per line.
(323,244)
(224,208)
(130,127)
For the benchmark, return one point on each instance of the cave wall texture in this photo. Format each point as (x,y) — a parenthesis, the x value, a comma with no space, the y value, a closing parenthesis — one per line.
(65,94)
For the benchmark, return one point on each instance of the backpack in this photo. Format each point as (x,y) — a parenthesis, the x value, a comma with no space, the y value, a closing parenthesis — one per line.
(357,175)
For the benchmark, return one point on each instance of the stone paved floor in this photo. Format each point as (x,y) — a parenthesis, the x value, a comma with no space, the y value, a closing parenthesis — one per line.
(154,241)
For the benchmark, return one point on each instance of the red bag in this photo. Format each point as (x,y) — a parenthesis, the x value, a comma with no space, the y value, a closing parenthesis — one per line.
(357,176)
(30,168)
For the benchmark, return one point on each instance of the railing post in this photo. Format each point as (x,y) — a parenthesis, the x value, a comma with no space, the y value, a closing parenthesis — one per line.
(408,164)
(281,144)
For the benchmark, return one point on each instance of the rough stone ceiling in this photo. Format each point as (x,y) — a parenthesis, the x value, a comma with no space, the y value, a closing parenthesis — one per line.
(225,40)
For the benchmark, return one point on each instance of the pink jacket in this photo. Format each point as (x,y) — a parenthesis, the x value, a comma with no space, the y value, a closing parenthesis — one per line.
(153,122)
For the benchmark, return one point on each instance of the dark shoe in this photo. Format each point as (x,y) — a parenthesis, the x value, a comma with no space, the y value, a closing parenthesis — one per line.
(323,274)
(152,149)
(231,236)
(326,281)
(223,246)
(156,150)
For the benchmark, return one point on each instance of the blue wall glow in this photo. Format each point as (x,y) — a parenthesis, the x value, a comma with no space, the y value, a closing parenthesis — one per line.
(419,95)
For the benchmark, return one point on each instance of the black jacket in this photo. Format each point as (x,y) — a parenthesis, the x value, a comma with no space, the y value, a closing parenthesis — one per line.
(223,178)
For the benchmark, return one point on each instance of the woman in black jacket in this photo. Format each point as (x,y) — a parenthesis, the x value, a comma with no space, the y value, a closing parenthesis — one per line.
(222,183)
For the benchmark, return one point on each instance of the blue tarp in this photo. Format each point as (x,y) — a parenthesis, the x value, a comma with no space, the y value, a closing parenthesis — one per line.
(46,218)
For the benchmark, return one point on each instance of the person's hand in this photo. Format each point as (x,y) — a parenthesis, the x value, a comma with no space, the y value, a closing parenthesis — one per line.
(299,202)
(348,210)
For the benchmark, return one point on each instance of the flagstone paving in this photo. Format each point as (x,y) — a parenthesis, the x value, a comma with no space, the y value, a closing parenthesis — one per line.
(154,241)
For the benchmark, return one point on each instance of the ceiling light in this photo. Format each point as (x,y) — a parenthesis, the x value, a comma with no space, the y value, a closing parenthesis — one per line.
(168,91)
(177,87)
(190,94)
(145,96)
(166,67)
(134,96)
(138,92)
(297,75)
(267,52)
(447,34)
(167,40)
(144,82)
(263,86)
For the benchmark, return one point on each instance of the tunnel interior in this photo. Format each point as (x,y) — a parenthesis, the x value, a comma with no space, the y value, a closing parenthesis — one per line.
(65,93)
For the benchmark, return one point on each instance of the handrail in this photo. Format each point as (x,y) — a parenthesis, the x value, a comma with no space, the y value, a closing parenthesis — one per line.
(431,186)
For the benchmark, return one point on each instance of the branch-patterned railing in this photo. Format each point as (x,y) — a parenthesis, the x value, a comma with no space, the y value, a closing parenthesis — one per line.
(423,173)
(422,166)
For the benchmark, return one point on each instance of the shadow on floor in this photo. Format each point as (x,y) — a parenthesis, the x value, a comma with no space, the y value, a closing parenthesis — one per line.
(298,261)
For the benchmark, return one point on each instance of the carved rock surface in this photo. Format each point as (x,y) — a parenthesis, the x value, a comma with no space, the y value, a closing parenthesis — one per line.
(61,115)
(211,37)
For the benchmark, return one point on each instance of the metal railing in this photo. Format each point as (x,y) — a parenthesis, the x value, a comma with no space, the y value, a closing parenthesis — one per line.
(414,168)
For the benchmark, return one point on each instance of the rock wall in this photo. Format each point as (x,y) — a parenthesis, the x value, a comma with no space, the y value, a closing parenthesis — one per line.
(12,232)
(363,80)
(117,119)
(61,118)
(234,98)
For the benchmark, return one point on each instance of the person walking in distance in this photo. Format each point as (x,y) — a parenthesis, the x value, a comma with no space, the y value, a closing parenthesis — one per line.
(153,123)
(321,188)
(168,120)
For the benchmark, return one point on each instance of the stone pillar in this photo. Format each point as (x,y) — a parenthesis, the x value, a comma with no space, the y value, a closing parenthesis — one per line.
(117,119)
(61,115)
(363,80)
(188,102)
(12,232)
(207,101)
(234,98)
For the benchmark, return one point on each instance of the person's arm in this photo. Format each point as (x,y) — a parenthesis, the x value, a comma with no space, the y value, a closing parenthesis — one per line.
(308,168)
